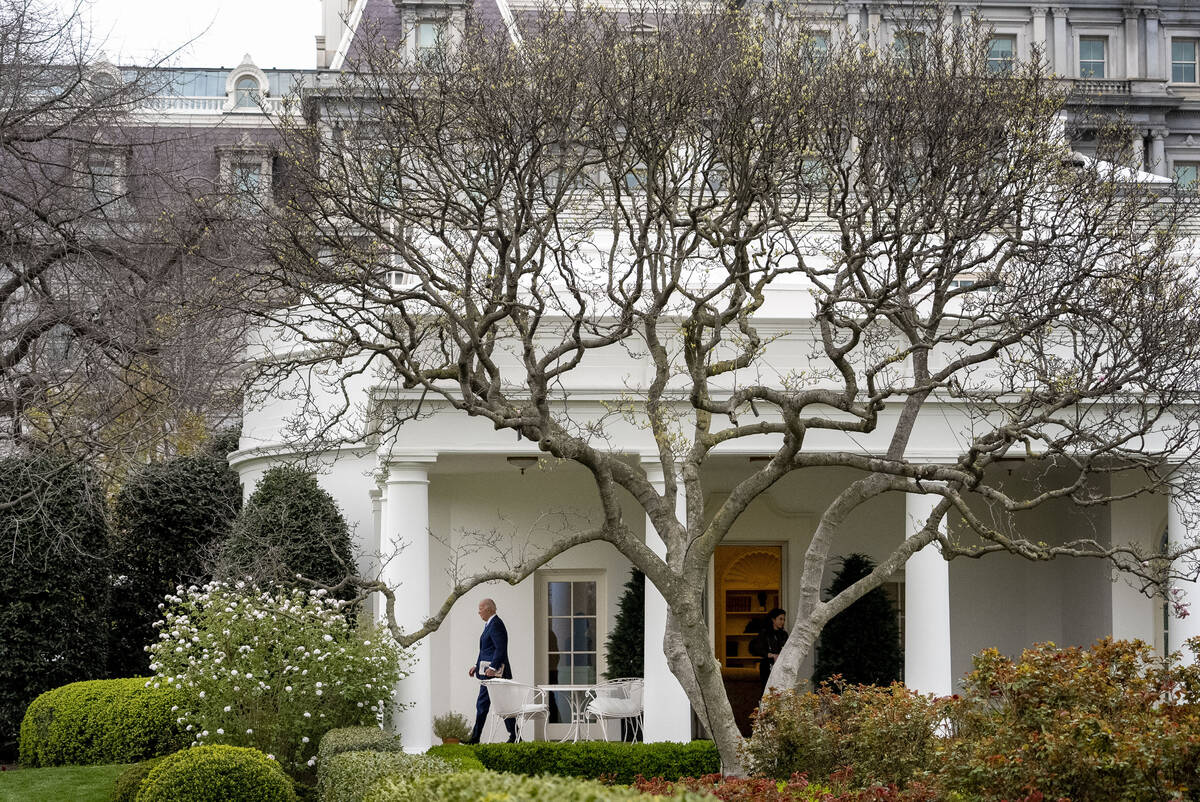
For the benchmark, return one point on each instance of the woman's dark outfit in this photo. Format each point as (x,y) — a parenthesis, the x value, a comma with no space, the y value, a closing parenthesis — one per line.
(769,641)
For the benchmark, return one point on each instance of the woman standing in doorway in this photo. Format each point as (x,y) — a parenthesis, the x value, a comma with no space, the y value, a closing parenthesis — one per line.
(769,643)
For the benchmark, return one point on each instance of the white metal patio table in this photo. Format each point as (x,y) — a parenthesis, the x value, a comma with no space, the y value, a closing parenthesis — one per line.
(577,701)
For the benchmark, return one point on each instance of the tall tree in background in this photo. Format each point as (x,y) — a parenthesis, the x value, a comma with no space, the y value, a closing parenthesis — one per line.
(497,215)
(169,518)
(113,346)
(861,643)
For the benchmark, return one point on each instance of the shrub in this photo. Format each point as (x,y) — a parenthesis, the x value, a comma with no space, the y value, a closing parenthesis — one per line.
(54,584)
(795,789)
(461,756)
(167,517)
(498,787)
(451,725)
(888,735)
(626,643)
(346,777)
(217,774)
(1112,722)
(275,670)
(861,644)
(101,721)
(130,782)
(357,739)
(289,526)
(617,762)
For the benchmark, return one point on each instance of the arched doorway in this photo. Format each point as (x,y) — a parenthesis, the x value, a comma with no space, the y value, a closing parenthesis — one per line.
(748,582)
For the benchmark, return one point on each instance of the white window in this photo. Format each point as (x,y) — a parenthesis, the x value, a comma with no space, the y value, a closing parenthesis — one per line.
(429,39)
(246,178)
(105,175)
(246,92)
(906,42)
(1186,173)
(1093,56)
(1002,52)
(571,609)
(246,175)
(1183,61)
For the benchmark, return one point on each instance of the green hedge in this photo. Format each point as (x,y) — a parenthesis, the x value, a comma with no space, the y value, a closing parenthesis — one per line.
(217,774)
(100,721)
(356,739)
(130,781)
(619,762)
(496,787)
(346,777)
(461,756)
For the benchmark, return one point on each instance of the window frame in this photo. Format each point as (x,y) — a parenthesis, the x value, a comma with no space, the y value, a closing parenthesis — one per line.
(242,154)
(542,618)
(1005,66)
(1105,39)
(1194,165)
(1194,63)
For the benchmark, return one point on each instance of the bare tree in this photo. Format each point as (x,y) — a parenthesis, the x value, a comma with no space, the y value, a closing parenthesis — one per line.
(111,342)
(487,219)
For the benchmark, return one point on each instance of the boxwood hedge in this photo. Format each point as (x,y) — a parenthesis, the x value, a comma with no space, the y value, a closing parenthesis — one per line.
(346,777)
(618,762)
(100,721)
(357,739)
(217,773)
(497,787)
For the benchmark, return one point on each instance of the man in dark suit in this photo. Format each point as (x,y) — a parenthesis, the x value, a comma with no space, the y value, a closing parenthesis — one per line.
(493,648)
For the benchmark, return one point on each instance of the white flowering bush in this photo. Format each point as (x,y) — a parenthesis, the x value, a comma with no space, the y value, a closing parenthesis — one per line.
(273,669)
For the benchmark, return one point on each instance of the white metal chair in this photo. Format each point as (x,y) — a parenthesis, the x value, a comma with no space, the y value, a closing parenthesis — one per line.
(617,699)
(515,700)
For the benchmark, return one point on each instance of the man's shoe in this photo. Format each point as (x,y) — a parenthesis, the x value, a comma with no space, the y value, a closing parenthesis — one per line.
(471,741)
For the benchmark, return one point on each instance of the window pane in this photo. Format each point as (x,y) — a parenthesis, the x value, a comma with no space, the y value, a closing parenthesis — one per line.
(585,598)
(1186,173)
(560,709)
(585,668)
(559,601)
(585,634)
(559,638)
(427,35)
(247,178)
(1183,50)
(1183,61)
(1091,57)
(558,668)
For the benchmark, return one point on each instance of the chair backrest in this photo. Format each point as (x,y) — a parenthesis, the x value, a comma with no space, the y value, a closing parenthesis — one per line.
(508,697)
(630,688)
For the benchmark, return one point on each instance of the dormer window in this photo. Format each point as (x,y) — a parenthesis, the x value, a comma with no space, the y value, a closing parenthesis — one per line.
(245,87)
(246,92)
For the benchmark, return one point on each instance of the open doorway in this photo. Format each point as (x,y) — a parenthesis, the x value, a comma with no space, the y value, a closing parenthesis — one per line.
(748,583)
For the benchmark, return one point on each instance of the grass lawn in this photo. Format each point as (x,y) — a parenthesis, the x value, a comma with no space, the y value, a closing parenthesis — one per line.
(59,784)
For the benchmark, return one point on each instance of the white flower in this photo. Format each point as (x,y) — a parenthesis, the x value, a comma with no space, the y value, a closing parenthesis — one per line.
(328,637)
(287,688)
(220,731)
(228,708)
(270,757)
(307,714)
(249,731)
(304,740)
(312,761)
(201,694)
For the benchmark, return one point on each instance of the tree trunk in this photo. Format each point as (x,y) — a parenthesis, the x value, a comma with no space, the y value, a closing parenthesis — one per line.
(690,656)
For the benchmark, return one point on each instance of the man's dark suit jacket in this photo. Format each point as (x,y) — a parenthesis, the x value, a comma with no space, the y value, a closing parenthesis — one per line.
(493,647)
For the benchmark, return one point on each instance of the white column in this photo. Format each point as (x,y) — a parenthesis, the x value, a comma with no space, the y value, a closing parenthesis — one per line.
(1060,42)
(668,713)
(405,549)
(371,567)
(875,27)
(1183,523)
(926,606)
(1138,149)
(1158,151)
(854,22)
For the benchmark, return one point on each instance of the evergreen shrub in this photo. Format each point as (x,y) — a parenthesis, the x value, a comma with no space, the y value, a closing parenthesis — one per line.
(289,526)
(500,787)
(616,762)
(130,782)
(101,721)
(461,756)
(357,739)
(54,584)
(217,773)
(168,518)
(861,644)
(626,643)
(347,776)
